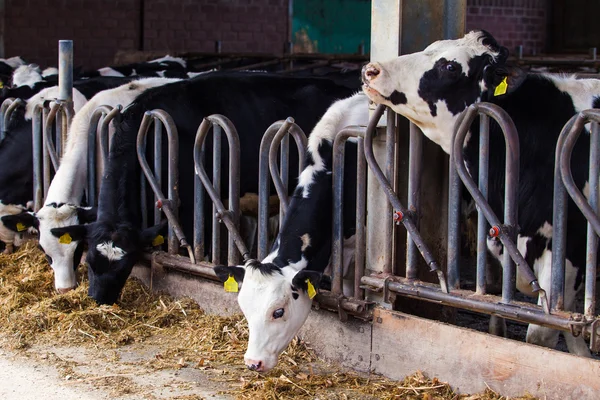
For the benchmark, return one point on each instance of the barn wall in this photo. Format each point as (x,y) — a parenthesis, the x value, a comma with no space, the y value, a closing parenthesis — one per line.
(101,28)
(511,22)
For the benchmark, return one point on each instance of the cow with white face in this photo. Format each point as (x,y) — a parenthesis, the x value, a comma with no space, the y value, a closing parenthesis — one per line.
(432,87)
(275,294)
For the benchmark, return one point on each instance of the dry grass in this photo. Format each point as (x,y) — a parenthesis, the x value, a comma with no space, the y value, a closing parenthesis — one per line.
(31,312)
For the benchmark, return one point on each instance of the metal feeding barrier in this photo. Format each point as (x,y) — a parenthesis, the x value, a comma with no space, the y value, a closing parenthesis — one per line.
(6,110)
(168,205)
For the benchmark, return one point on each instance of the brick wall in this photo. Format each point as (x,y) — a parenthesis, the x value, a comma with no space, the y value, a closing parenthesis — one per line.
(511,22)
(100,28)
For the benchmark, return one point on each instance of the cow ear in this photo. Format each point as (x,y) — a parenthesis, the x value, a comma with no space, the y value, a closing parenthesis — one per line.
(223,273)
(68,234)
(20,222)
(86,215)
(309,281)
(154,235)
(503,79)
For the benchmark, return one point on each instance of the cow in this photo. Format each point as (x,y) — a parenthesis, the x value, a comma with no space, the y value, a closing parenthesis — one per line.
(62,205)
(251,101)
(165,67)
(431,88)
(275,293)
(7,67)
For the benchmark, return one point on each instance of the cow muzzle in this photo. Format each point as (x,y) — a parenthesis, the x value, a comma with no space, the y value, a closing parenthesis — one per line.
(370,72)
(65,290)
(254,365)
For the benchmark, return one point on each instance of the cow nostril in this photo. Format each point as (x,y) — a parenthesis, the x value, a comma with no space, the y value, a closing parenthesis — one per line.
(371,72)
(255,367)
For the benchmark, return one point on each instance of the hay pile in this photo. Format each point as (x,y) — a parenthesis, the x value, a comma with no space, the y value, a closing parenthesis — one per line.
(31,312)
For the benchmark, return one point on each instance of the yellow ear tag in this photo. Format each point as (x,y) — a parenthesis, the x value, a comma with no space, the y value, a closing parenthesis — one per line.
(231,285)
(1,85)
(501,88)
(158,240)
(310,289)
(65,239)
(21,227)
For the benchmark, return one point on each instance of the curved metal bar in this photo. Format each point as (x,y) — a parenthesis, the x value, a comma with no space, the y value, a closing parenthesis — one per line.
(565,167)
(338,203)
(169,206)
(37,144)
(406,219)
(8,107)
(229,217)
(506,232)
(104,136)
(301,142)
(92,167)
(48,134)
(263,179)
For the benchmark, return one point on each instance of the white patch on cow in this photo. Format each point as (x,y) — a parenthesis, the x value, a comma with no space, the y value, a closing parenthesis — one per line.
(26,75)
(545,230)
(51,93)
(133,72)
(70,179)
(110,251)
(195,74)
(108,71)
(49,72)
(305,241)
(13,62)
(582,91)
(347,112)
(178,60)
(161,73)
(259,297)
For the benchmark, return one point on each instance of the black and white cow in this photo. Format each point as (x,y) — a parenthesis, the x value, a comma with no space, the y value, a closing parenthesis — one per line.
(165,67)
(430,88)
(433,86)
(252,102)
(7,67)
(62,206)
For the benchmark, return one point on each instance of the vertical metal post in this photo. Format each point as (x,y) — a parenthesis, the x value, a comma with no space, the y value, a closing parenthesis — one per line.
(484,160)
(199,213)
(284,167)
(65,92)
(45,154)
(157,164)
(511,186)
(361,217)
(414,195)
(38,195)
(216,227)
(592,237)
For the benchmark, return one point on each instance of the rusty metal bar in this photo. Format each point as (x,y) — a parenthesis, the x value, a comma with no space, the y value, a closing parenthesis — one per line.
(401,214)
(157,166)
(229,217)
(592,239)
(301,142)
(198,240)
(8,107)
(37,144)
(216,181)
(338,204)
(507,232)
(49,143)
(361,218)
(482,231)
(169,205)
(415,163)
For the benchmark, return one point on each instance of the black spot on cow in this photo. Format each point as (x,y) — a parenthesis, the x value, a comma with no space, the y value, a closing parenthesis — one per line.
(267,269)
(596,102)
(295,295)
(397,98)
(447,82)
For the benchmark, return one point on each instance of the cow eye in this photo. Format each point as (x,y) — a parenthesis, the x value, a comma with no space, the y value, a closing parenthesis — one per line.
(278,313)
(450,67)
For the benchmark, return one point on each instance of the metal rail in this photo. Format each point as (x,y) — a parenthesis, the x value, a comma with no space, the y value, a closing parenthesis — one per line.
(278,129)
(168,205)
(401,214)
(229,216)
(6,110)
(589,207)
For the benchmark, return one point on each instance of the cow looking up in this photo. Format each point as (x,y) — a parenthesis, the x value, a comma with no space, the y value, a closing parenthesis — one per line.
(432,87)
(274,296)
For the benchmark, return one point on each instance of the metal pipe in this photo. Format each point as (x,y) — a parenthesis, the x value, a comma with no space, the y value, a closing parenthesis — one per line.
(482,232)
(65,70)
(361,217)
(93,169)
(8,107)
(198,240)
(415,163)
(390,146)
(284,170)
(49,143)
(506,233)
(45,154)
(104,132)
(157,165)
(565,167)
(592,238)
(338,204)
(229,217)
(559,226)
(401,212)
(37,144)
(169,206)
(216,181)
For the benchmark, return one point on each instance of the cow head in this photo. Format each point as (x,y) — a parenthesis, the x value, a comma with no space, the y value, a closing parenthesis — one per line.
(113,249)
(432,87)
(9,234)
(63,253)
(275,302)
